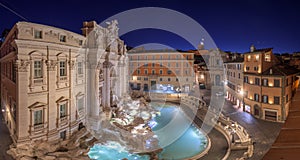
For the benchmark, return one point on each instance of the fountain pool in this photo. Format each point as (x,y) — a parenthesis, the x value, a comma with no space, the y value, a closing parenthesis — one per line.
(189,144)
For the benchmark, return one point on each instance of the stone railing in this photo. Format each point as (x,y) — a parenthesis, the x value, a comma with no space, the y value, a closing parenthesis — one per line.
(223,124)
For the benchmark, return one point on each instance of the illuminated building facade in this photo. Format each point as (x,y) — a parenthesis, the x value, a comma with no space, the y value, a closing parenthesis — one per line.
(234,81)
(268,85)
(164,70)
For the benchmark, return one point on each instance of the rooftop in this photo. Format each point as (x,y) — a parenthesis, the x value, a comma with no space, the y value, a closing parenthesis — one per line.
(281,70)
(263,50)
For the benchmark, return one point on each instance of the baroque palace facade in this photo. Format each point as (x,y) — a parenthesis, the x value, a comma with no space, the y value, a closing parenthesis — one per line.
(47,72)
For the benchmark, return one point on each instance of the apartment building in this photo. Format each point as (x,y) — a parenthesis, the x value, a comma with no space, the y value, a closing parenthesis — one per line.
(234,81)
(162,70)
(268,85)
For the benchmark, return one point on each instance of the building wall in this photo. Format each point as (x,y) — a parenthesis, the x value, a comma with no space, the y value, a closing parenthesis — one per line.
(255,88)
(37,95)
(163,67)
(234,82)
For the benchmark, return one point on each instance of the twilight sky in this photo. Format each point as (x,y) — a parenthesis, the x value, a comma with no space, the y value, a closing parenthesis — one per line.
(233,24)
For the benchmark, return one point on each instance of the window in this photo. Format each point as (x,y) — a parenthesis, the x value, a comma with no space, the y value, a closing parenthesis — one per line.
(169,79)
(139,78)
(145,79)
(276,83)
(161,71)
(153,64)
(146,64)
(287,98)
(187,79)
(153,71)
(256,57)
(79,68)
(138,71)
(38,117)
(256,97)
(248,58)
(80,105)
(177,72)
(265,99)
(239,66)
(257,81)
(177,79)
(239,75)
(176,64)
(161,65)
(62,68)
(247,68)
(276,100)
(187,64)
(62,38)
(161,57)
(246,80)
(146,71)
(267,57)
(233,74)
(62,110)
(265,82)
(38,69)
(255,68)
(153,57)
(37,34)
(168,64)
(160,79)
(169,71)
(218,62)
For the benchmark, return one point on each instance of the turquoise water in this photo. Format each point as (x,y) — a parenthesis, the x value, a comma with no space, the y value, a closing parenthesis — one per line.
(113,151)
(188,143)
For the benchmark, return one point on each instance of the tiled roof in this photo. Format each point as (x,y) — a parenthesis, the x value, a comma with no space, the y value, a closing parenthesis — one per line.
(281,70)
(260,50)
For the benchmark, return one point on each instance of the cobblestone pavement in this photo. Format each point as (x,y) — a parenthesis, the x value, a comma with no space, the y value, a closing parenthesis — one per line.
(5,140)
(263,133)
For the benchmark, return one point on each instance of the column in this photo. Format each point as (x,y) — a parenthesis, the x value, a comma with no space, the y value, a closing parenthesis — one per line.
(106,87)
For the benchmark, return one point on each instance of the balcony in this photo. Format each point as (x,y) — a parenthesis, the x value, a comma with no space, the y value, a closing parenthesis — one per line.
(63,78)
(38,81)
(62,121)
(38,127)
